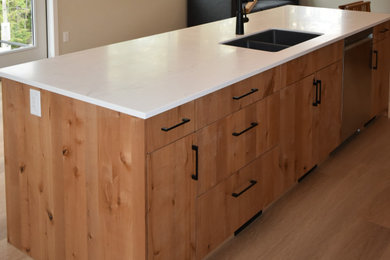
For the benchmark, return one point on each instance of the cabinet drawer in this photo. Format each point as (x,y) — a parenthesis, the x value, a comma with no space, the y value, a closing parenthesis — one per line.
(232,142)
(230,204)
(302,67)
(169,126)
(221,103)
(381,31)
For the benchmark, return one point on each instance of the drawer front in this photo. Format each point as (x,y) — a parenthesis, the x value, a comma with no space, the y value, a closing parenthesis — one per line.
(230,99)
(381,31)
(170,126)
(230,204)
(232,142)
(302,67)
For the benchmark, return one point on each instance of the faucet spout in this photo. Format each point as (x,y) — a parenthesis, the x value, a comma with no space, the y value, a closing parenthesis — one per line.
(241,16)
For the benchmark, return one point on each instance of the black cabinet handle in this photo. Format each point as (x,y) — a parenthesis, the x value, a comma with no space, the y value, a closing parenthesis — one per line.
(384,30)
(376,60)
(236,195)
(253,90)
(319,83)
(196,175)
(183,121)
(315,83)
(253,124)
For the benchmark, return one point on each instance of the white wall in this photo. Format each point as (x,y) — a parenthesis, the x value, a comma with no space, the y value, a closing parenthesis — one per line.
(93,23)
(377,6)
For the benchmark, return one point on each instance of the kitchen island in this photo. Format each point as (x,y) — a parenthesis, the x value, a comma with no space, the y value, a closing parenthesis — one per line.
(164,146)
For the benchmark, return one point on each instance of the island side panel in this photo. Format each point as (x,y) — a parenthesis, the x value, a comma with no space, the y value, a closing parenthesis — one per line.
(75,178)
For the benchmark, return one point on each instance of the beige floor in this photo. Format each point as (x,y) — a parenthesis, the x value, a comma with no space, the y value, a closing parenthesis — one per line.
(340,211)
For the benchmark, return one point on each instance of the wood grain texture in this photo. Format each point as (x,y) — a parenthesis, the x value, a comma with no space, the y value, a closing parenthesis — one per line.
(380,77)
(156,137)
(171,201)
(317,128)
(328,55)
(381,32)
(220,214)
(221,153)
(287,133)
(340,211)
(329,121)
(211,220)
(219,104)
(303,66)
(75,178)
(305,132)
(353,184)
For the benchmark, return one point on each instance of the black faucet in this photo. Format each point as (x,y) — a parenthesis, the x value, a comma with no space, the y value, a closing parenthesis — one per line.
(241,16)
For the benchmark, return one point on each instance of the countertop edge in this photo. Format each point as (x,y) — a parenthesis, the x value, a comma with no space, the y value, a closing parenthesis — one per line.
(192,97)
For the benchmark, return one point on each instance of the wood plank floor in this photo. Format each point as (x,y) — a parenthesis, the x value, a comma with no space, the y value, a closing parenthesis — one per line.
(340,211)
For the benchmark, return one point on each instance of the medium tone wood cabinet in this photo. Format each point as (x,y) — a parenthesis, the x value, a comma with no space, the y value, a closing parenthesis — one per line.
(316,102)
(380,69)
(318,116)
(171,201)
(329,115)
(75,178)
(234,141)
(104,185)
(305,131)
(226,101)
(231,203)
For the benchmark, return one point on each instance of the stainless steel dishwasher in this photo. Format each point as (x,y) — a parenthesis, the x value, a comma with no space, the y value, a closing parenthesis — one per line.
(356,82)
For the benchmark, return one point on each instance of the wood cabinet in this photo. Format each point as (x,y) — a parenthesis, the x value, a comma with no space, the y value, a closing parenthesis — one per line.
(318,116)
(305,131)
(329,115)
(232,142)
(176,185)
(170,126)
(314,89)
(380,69)
(226,101)
(231,203)
(171,201)
(75,178)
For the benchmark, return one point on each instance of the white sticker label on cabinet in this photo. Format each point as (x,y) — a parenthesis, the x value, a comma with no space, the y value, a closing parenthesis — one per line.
(35,102)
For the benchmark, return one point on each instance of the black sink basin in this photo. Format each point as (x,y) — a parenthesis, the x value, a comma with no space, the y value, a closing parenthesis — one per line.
(272,40)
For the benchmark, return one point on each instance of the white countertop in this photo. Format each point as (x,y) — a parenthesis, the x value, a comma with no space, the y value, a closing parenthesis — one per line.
(150,75)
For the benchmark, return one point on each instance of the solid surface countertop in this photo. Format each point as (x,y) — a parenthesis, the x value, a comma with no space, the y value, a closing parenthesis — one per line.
(147,76)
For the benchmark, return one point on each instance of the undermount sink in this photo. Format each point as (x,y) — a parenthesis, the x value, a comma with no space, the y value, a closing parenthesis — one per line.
(272,40)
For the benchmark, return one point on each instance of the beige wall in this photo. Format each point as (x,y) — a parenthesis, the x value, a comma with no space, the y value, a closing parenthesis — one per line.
(378,6)
(93,23)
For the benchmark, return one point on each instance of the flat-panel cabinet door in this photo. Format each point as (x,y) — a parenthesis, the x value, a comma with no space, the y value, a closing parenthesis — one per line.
(380,76)
(305,125)
(232,142)
(329,82)
(230,204)
(171,200)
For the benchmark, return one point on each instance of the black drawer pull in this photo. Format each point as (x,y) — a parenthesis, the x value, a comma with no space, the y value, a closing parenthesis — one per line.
(315,83)
(254,124)
(196,175)
(183,121)
(376,60)
(236,195)
(319,82)
(253,90)
(384,30)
